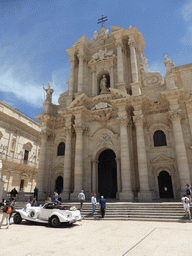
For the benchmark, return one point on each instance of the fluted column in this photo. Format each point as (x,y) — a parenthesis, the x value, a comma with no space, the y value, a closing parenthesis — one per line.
(10,141)
(78,171)
(144,193)
(94,81)
(42,162)
(126,193)
(80,74)
(94,176)
(72,75)
(67,165)
(180,149)
(16,145)
(120,67)
(134,69)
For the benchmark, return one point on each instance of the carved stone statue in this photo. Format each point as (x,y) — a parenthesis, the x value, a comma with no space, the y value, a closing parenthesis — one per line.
(168,64)
(95,36)
(103,85)
(49,93)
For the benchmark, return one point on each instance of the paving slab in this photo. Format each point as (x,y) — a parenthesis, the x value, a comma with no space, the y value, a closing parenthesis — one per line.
(98,237)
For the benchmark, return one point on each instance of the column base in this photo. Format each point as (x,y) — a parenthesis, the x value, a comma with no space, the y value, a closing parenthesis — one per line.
(42,196)
(74,196)
(170,81)
(126,196)
(65,196)
(122,87)
(136,90)
(145,196)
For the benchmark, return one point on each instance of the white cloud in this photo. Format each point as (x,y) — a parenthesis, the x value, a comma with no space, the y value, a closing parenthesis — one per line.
(186,12)
(27,86)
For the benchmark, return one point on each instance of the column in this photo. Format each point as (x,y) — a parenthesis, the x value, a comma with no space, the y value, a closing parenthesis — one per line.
(118,177)
(112,84)
(94,176)
(42,162)
(80,74)
(16,144)
(72,74)
(78,171)
(126,193)
(134,69)
(120,67)
(94,82)
(180,149)
(1,181)
(144,193)
(67,165)
(10,141)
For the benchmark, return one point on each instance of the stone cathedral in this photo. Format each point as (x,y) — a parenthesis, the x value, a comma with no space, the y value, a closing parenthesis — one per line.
(119,130)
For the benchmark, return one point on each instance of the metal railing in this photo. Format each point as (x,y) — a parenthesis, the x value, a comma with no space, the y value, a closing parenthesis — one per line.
(12,159)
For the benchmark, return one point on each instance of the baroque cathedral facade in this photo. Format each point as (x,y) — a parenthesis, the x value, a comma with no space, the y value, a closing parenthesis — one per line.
(119,130)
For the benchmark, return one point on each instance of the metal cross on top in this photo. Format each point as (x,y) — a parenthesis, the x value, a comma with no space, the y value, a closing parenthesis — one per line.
(102,20)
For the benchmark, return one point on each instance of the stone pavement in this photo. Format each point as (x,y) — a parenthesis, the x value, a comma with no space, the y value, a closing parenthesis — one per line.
(98,237)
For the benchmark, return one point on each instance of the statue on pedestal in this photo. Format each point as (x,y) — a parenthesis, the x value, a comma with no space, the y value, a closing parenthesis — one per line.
(168,64)
(103,85)
(49,93)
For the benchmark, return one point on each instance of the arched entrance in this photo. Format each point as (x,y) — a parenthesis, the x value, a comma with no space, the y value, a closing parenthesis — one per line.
(165,185)
(107,174)
(59,184)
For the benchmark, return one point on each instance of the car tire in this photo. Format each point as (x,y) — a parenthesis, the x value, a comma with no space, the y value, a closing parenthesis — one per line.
(54,221)
(17,218)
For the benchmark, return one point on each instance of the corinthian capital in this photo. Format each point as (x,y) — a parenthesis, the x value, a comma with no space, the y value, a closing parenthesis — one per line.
(124,121)
(138,120)
(67,129)
(119,42)
(131,42)
(71,58)
(175,115)
(79,128)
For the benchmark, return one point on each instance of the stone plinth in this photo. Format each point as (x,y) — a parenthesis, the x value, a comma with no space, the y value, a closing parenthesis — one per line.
(145,196)
(170,81)
(126,196)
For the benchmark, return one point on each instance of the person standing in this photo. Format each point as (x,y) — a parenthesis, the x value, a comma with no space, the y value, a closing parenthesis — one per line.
(55,198)
(188,191)
(14,193)
(103,206)
(186,204)
(94,203)
(36,193)
(6,211)
(81,197)
(12,204)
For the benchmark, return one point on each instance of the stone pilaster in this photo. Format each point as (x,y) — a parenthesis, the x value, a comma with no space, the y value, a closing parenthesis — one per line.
(118,177)
(78,171)
(42,163)
(126,193)
(180,149)
(80,55)
(134,69)
(144,193)
(112,82)
(189,113)
(1,181)
(10,141)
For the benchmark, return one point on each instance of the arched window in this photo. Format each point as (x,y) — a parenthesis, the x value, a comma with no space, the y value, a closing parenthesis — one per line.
(61,149)
(159,139)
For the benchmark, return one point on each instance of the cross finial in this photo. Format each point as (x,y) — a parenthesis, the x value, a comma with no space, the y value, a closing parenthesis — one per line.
(102,20)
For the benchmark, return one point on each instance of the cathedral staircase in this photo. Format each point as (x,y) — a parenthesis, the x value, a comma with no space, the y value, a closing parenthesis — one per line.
(124,211)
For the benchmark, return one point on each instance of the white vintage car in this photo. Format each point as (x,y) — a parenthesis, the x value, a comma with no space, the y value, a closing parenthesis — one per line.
(48,213)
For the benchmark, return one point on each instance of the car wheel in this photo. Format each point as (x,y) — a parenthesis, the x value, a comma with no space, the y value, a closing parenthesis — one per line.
(55,221)
(17,218)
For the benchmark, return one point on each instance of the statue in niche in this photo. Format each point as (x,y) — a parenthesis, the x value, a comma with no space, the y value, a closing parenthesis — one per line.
(103,85)
(168,64)
(49,93)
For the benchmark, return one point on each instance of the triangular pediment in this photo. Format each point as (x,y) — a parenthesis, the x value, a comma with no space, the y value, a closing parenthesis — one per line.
(58,166)
(80,101)
(114,28)
(162,158)
(83,39)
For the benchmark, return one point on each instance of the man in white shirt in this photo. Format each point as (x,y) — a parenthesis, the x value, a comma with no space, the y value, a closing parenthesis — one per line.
(94,203)
(81,197)
(186,204)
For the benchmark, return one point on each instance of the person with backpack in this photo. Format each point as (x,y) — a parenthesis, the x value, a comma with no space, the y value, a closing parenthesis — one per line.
(6,212)
(186,204)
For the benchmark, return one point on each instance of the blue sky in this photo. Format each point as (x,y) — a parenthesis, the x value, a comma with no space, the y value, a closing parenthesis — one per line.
(35,33)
